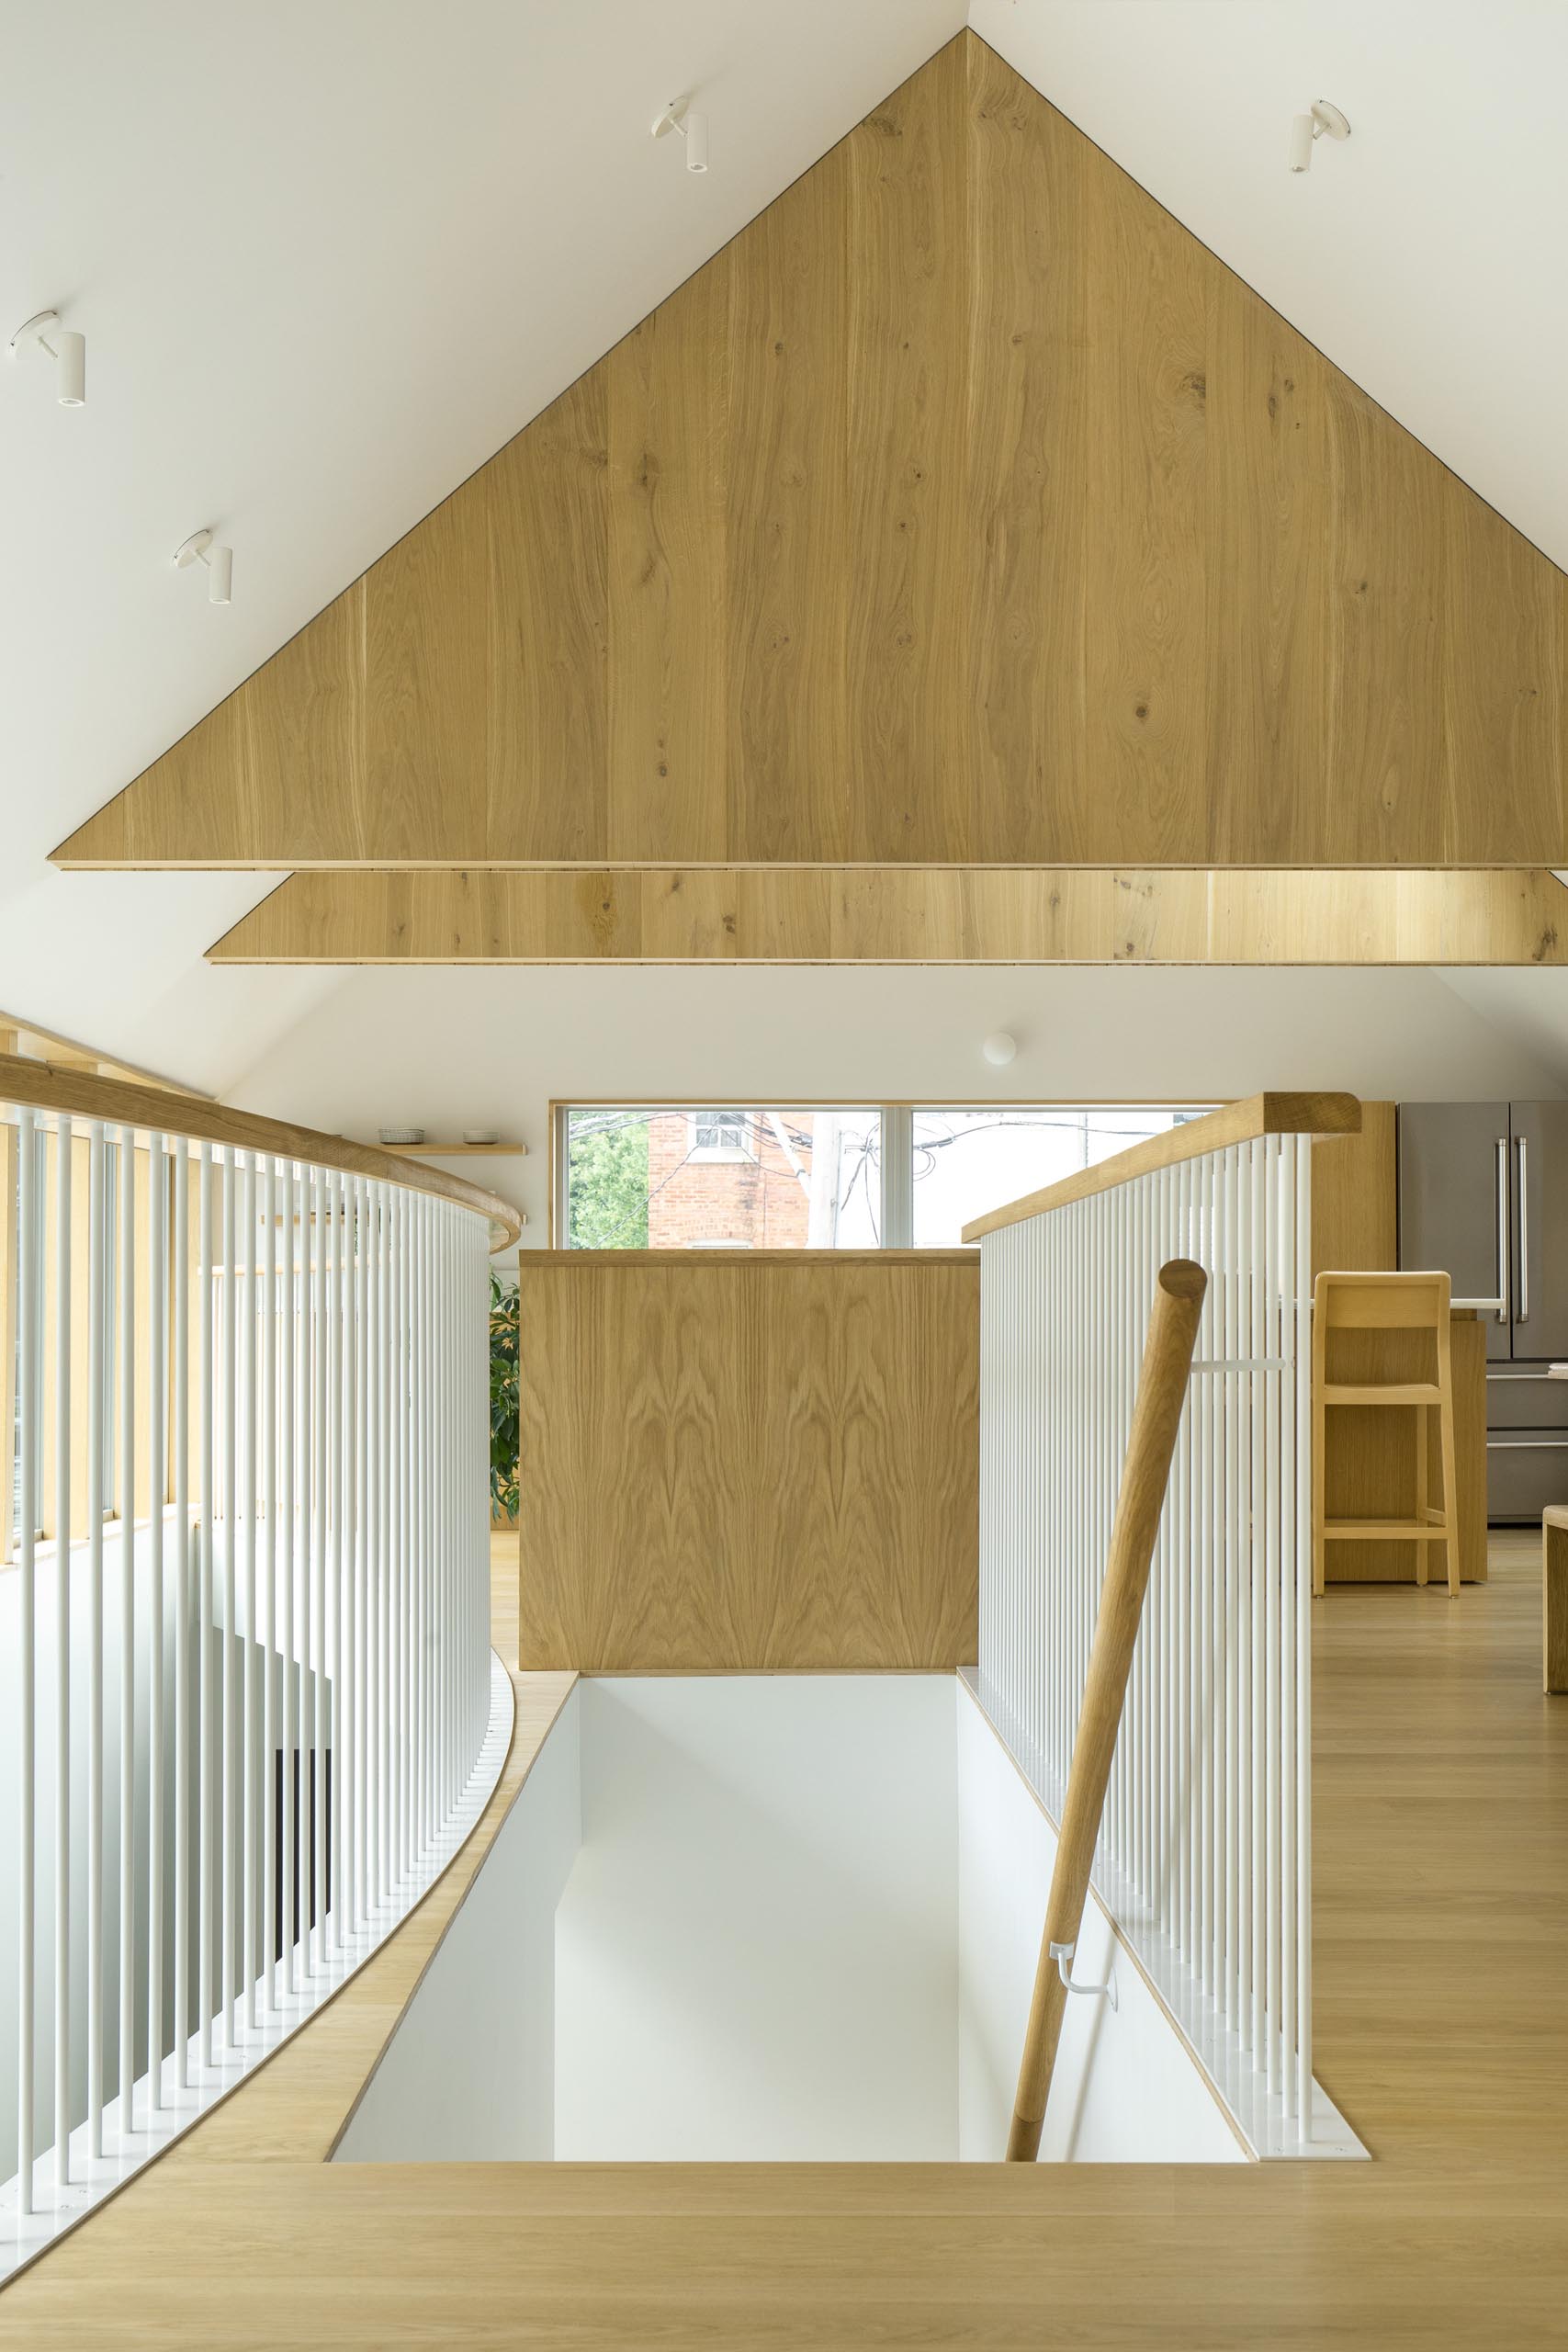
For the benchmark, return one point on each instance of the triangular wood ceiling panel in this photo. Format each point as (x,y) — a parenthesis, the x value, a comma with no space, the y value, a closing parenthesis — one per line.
(964,510)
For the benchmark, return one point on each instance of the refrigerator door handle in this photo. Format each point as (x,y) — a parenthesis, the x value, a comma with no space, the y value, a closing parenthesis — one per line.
(1502,1190)
(1523,1313)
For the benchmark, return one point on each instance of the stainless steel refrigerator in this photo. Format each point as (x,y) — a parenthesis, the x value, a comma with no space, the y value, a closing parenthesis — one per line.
(1483,1192)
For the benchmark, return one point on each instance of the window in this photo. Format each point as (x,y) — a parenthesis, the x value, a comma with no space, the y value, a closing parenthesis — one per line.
(740,1178)
(752,1178)
(719,1134)
(969,1161)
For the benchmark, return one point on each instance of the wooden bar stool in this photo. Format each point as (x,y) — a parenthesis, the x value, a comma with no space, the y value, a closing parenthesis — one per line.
(1387,1303)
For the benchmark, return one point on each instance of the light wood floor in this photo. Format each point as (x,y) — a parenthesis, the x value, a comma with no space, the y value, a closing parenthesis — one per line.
(1441,1938)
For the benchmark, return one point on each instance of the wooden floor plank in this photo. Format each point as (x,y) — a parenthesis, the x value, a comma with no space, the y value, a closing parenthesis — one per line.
(1440,1844)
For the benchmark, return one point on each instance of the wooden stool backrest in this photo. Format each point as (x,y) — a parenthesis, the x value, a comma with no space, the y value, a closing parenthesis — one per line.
(1382,1302)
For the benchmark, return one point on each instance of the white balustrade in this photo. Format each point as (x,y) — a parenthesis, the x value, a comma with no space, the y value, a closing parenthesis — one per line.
(1204,1857)
(255,1708)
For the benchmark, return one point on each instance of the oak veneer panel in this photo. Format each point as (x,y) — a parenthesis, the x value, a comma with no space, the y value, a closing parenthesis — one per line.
(1027,465)
(962,509)
(548,506)
(904,914)
(1146,569)
(1267,582)
(305,715)
(427,677)
(748,1462)
(788,544)
(1355,1197)
(667,390)
(1383,740)
(1502,684)
(908,631)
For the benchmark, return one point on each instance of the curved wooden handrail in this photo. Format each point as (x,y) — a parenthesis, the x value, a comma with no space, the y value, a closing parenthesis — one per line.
(47,1086)
(1238,1121)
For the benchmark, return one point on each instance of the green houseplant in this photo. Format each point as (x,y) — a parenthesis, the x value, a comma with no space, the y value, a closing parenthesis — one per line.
(503,1401)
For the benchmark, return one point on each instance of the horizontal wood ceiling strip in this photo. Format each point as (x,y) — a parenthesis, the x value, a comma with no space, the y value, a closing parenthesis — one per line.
(964,509)
(925,915)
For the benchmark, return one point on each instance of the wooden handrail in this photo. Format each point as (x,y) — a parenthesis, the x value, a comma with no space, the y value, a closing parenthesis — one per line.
(1162,1387)
(1239,1122)
(46,1086)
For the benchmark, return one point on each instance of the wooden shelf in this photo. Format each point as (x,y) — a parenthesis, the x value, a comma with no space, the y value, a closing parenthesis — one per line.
(458,1150)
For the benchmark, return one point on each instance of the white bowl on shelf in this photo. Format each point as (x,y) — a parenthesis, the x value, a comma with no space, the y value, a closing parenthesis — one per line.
(393,1137)
(481,1135)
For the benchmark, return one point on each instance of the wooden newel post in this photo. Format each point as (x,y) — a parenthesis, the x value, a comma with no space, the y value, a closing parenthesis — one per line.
(1162,1387)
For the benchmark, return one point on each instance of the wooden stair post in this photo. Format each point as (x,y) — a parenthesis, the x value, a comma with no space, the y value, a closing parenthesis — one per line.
(1162,1387)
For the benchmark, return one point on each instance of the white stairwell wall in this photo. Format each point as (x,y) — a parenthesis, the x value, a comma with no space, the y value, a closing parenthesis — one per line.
(800,1923)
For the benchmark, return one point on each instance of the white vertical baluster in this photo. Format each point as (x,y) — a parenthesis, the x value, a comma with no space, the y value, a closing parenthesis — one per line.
(361,1521)
(207,1891)
(384,1573)
(321,1723)
(230,1432)
(341,1699)
(1301,1347)
(180,1246)
(401,1268)
(1288,1631)
(29,1408)
(157,1489)
(304,1466)
(97,1322)
(288,1343)
(421,1475)
(64,1149)
(375,1524)
(126,1262)
(268,1805)
(249,1777)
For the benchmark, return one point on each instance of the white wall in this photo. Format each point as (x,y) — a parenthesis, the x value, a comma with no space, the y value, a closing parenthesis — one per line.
(449,1049)
(469,2074)
(756,1954)
(801,1925)
(1125,2090)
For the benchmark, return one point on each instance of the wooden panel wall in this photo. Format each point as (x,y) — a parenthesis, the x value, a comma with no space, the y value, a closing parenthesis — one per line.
(881,914)
(739,1460)
(962,509)
(1355,1196)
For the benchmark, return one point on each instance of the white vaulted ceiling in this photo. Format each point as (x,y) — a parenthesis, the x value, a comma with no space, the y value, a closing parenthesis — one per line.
(329,255)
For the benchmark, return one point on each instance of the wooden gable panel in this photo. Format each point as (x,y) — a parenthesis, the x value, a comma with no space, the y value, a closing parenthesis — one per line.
(962,509)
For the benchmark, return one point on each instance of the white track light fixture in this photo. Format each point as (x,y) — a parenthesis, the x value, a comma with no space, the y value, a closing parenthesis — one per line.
(692,125)
(220,562)
(69,352)
(1324,121)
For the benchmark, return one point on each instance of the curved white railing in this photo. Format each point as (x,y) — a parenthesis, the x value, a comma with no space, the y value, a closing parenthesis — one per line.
(244,1626)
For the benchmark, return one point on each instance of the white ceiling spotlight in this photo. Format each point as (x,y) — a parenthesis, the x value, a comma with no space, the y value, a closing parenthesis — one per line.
(1000,1048)
(220,562)
(692,125)
(1324,121)
(69,352)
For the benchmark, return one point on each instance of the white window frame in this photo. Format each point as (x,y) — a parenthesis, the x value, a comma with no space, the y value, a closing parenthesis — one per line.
(741,1149)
